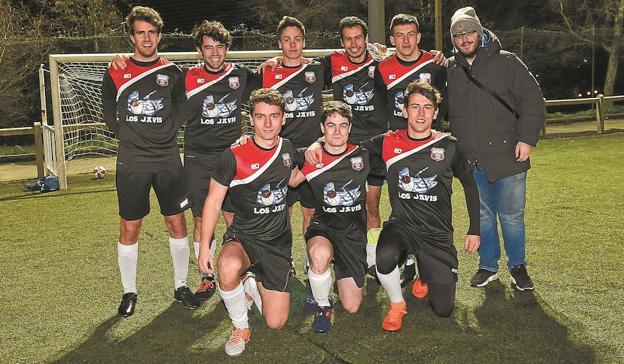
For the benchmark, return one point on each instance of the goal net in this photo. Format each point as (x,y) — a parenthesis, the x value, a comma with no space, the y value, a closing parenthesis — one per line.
(79,139)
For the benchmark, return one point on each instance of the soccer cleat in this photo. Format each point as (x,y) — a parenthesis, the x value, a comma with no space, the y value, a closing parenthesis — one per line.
(206,289)
(520,278)
(310,306)
(322,319)
(183,294)
(483,277)
(408,275)
(236,343)
(394,318)
(128,304)
(420,289)
(372,271)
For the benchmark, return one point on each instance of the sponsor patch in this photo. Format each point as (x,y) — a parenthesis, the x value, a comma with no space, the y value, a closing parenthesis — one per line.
(255,166)
(127,75)
(200,80)
(162,80)
(278,76)
(398,150)
(437,154)
(184,203)
(344,68)
(392,76)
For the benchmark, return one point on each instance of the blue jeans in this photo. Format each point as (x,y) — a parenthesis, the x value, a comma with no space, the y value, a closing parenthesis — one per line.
(504,199)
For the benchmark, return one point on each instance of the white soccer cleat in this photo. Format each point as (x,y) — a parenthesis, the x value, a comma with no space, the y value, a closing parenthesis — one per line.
(236,343)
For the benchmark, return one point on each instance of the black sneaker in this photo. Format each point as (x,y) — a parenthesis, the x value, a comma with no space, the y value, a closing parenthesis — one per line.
(206,289)
(183,294)
(372,271)
(127,305)
(322,319)
(408,274)
(483,277)
(520,278)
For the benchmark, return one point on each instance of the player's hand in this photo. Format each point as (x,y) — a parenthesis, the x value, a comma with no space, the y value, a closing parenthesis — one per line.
(243,139)
(438,58)
(522,151)
(471,243)
(271,63)
(205,261)
(314,153)
(119,62)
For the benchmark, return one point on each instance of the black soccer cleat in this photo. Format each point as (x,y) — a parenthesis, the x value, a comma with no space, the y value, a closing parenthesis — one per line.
(372,271)
(183,294)
(206,289)
(408,274)
(128,304)
(483,277)
(520,278)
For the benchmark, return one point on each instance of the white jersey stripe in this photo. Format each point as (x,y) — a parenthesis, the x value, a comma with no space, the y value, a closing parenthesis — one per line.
(282,82)
(316,173)
(398,80)
(397,158)
(204,86)
(347,74)
(139,77)
(258,173)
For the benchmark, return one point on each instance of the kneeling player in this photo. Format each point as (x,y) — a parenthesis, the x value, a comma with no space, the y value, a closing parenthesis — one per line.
(259,239)
(338,228)
(420,167)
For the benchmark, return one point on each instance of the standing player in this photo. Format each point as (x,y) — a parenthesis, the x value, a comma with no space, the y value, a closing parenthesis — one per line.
(137,104)
(337,231)
(257,176)
(409,63)
(420,167)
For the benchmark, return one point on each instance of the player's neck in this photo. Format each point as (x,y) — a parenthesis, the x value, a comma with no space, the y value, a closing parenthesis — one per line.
(411,58)
(419,135)
(335,150)
(138,57)
(265,143)
(292,62)
(361,58)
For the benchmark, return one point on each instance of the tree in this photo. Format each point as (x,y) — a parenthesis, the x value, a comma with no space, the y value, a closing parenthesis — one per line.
(580,16)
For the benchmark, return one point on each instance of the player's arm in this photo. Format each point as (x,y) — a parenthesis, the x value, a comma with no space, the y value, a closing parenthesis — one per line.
(183,113)
(374,146)
(109,104)
(296,178)
(381,90)
(314,153)
(438,58)
(439,81)
(463,171)
(210,216)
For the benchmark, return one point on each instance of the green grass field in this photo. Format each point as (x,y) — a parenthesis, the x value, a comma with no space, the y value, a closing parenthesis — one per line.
(60,283)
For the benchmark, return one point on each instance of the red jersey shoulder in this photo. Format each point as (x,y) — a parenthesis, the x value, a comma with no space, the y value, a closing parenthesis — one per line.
(398,142)
(250,158)
(270,77)
(326,159)
(340,63)
(197,76)
(132,70)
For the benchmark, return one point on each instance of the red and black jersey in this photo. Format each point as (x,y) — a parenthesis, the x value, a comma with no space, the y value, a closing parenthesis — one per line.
(138,106)
(339,187)
(396,74)
(258,183)
(354,84)
(301,87)
(420,175)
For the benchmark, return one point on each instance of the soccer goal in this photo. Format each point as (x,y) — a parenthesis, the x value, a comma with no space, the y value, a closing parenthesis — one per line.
(79,140)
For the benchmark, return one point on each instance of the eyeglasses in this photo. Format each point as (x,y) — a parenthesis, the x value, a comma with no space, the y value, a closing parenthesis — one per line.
(459,36)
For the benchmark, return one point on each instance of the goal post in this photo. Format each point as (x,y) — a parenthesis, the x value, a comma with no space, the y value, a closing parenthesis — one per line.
(79,134)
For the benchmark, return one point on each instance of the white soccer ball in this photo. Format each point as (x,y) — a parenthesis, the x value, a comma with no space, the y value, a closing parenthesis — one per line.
(99,172)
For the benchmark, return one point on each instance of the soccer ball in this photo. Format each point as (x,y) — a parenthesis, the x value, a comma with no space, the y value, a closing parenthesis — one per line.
(99,172)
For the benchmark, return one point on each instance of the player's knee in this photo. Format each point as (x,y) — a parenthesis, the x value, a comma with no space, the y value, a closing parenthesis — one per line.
(352,306)
(319,260)
(443,309)
(229,269)
(386,261)
(276,323)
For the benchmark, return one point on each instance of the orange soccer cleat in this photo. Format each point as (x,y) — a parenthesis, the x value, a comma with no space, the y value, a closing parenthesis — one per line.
(420,289)
(394,318)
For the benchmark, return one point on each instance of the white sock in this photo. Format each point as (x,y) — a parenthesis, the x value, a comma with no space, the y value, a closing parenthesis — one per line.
(235,304)
(213,249)
(371,236)
(180,256)
(392,283)
(127,256)
(320,284)
(251,288)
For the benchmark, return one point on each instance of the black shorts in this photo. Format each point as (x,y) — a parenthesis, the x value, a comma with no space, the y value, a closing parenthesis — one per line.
(349,249)
(133,191)
(437,260)
(272,263)
(302,194)
(199,170)
(375,180)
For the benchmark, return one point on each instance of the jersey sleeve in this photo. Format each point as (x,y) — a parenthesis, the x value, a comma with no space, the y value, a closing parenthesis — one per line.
(299,155)
(254,81)
(182,112)
(381,91)
(374,146)
(439,81)
(325,62)
(462,169)
(109,103)
(226,168)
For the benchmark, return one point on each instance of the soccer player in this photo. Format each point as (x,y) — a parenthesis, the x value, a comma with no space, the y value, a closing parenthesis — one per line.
(257,175)
(337,231)
(137,105)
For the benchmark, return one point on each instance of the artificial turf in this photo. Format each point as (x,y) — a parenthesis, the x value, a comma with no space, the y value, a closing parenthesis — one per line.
(60,283)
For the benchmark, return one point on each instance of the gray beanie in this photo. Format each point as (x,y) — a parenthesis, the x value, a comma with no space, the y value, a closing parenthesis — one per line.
(466,20)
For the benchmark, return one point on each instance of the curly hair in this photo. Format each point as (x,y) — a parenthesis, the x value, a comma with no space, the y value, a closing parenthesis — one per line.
(268,96)
(425,89)
(145,14)
(212,29)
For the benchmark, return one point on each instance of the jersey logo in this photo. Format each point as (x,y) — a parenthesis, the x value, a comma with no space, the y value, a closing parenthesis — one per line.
(127,75)
(359,97)
(146,106)
(234,82)
(357,163)
(344,68)
(200,80)
(392,76)
(162,80)
(286,160)
(299,103)
(399,100)
(267,196)
(255,166)
(371,71)
(416,183)
(222,109)
(425,77)
(278,76)
(184,203)
(310,77)
(341,197)
(398,150)
(437,154)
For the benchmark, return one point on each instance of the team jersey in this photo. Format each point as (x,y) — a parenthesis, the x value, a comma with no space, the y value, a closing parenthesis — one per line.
(301,87)
(258,183)
(214,105)
(354,84)
(339,187)
(420,175)
(138,106)
(396,74)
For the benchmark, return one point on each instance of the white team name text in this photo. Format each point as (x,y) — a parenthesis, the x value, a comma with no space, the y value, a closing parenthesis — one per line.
(342,209)
(407,196)
(267,210)
(144,119)
(364,108)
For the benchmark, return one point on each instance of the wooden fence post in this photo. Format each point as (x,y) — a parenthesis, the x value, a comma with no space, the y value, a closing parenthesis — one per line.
(39,158)
(600,116)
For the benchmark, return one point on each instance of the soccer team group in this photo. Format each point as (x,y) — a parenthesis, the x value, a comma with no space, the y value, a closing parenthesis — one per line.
(331,157)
